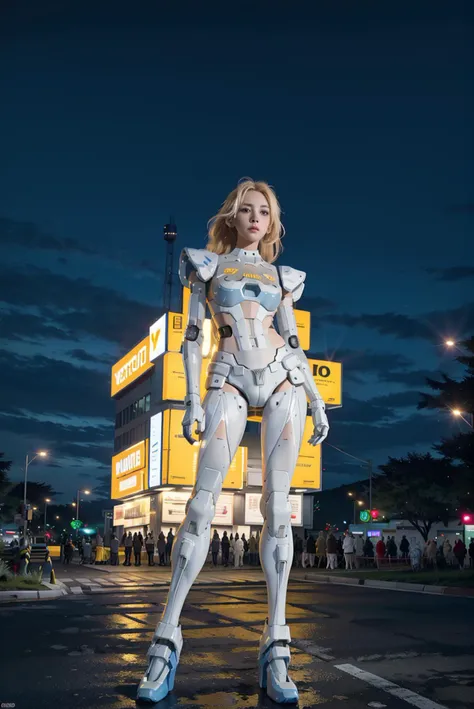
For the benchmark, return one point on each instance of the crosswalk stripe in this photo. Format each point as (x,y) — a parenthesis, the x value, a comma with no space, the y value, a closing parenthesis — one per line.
(76,590)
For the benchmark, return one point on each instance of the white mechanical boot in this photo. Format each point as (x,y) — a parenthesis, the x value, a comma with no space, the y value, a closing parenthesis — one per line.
(163,656)
(282,430)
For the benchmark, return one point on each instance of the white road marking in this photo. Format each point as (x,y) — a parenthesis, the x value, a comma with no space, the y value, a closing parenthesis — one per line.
(391,688)
(65,580)
(317,650)
(76,589)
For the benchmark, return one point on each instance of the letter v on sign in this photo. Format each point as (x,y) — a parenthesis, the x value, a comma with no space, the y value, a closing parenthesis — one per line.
(157,338)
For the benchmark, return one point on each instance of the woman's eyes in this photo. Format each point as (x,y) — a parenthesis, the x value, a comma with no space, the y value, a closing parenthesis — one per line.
(264,212)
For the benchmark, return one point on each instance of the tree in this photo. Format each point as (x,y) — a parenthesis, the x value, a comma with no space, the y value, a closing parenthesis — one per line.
(35,492)
(419,488)
(5,507)
(453,394)
(5,466)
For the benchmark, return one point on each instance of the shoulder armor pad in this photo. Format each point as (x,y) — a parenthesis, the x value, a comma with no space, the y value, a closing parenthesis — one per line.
(292,281)
(201,261)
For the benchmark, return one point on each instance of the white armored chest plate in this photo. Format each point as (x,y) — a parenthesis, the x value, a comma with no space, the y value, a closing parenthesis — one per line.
(240,278)
(243,295)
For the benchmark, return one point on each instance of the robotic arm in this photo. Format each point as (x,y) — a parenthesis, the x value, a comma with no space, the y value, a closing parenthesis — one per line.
(196,267)
(288,330)
(192,356)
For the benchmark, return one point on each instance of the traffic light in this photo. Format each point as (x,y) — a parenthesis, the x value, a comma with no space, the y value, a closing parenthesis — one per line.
(374,514)
(467,518)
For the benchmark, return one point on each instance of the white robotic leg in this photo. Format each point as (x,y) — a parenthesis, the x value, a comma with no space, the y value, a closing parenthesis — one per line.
(226,417)
(282,431)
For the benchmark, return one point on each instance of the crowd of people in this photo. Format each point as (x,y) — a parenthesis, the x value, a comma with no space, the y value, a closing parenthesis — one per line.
(354,551)
(136,543)
(324,550)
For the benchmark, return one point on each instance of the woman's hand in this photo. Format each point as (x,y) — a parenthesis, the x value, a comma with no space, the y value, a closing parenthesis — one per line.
(320,422)
(194,414)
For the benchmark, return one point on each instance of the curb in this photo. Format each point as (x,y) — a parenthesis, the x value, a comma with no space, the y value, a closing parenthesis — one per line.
(392,585)
(30,595)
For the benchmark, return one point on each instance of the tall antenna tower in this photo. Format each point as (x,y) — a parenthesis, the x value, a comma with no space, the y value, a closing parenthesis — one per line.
(169,234)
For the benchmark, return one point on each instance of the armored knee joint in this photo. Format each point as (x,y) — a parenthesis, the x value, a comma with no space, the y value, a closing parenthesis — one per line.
(275,506)
(200,512)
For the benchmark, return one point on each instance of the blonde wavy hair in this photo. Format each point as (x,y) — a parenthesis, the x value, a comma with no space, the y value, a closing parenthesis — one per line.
(223,237)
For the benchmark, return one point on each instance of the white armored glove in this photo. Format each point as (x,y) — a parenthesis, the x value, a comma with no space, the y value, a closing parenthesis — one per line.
(320,422)
(194,414)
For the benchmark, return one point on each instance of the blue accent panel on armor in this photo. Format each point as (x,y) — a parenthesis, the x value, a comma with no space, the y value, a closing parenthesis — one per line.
(251,290)
(228,297)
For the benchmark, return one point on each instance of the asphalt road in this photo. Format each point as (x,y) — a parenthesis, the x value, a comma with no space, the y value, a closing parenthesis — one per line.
(350,643)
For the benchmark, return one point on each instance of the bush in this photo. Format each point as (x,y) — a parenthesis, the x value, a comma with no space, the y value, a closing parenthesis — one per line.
(34,577)
(5,573)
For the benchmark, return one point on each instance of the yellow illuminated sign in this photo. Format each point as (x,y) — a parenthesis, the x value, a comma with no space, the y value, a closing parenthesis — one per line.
(133,458)
(303,322)
(131,367)
(129,470)
(128,485)
(308,466)
(179,463)
(186,296)
(176,327)
(328,379)
(174,381)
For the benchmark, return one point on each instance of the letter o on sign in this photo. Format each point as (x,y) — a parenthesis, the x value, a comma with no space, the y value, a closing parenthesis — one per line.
(322,371)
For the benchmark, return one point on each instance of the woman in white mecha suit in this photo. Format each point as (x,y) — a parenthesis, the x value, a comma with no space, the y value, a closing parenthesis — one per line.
(254,365)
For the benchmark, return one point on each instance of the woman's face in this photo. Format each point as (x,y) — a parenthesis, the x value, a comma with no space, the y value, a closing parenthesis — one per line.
(253,219)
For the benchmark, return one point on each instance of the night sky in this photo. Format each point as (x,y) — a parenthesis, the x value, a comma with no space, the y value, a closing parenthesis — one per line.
(359,113)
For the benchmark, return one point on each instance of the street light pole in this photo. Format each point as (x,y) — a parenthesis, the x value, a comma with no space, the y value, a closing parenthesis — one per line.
(25,516)
(41,454)
(45,510)
(369,465)
(86,492)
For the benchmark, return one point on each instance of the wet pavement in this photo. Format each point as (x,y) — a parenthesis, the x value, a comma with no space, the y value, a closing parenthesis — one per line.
(353,647)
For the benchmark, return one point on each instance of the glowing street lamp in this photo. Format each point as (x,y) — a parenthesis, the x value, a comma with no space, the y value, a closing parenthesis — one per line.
(28,460)
(459,414)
